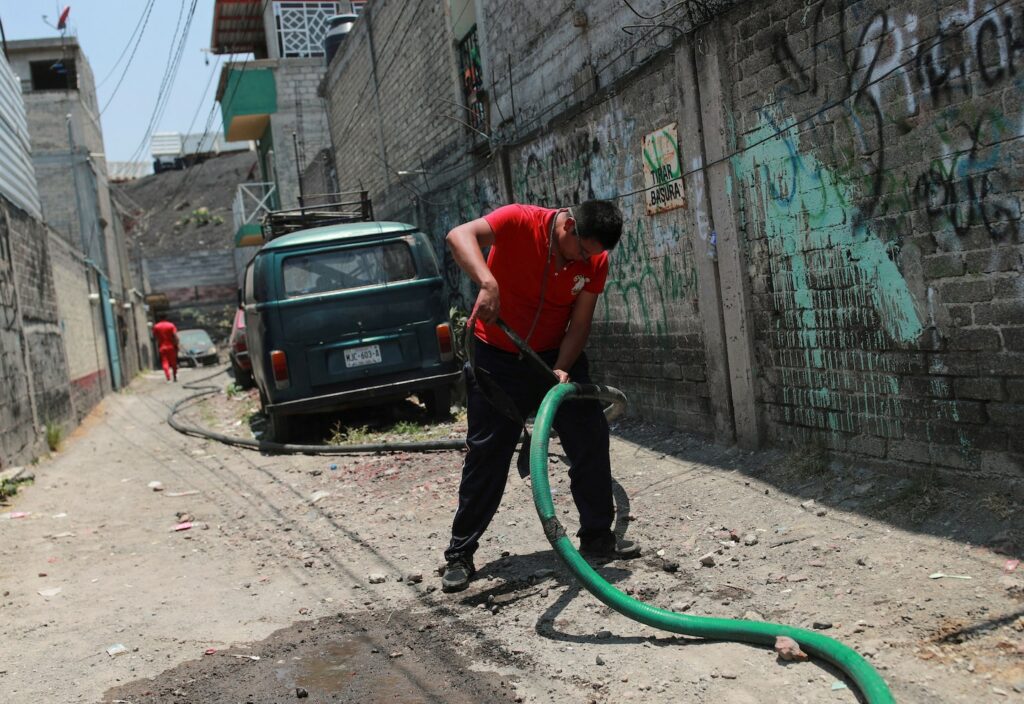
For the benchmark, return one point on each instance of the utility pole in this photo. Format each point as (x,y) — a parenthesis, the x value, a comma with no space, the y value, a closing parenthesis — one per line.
(89,264)
(298,171)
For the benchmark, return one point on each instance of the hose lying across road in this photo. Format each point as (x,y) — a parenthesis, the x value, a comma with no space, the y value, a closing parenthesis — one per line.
(845,658)
(286,448)
(842,656)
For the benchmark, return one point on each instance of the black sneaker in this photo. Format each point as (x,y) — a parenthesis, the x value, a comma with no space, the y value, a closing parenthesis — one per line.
(608,547)
(457,574)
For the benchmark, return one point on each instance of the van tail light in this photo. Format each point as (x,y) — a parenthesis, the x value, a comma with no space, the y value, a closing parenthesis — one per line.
(279,365)
(444,341)
(240,345)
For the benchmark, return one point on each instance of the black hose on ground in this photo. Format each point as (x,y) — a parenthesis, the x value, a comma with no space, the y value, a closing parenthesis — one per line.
(289,448)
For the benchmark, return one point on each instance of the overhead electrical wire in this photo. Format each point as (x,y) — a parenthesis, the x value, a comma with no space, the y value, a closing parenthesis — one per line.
(138,40)
(936,38)
(193,172)
(143,20)
(167,83)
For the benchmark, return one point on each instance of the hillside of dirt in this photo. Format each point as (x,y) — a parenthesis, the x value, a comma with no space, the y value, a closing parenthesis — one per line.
(166,210)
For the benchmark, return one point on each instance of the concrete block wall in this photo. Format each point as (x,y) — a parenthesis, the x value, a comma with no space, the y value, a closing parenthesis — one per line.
(319,177)
(878,186)
(210,299)
(302,112)
(648,337)
(398,121)
(408,121)
(847,272)
(37,390)
(562,51)
(60,173)
(81,323)
(651,301)
(21,438)
(470,194)
(40,320)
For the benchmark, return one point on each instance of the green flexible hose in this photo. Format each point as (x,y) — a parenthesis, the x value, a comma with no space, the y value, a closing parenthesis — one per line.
(845,658)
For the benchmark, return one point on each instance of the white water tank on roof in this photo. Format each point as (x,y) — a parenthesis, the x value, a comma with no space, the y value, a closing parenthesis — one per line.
(166,144)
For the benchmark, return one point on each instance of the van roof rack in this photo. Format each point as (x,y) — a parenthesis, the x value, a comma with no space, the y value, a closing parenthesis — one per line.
(337,208)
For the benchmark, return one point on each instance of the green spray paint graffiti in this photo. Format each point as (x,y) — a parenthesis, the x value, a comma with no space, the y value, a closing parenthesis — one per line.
(644,287)
(828,272)
(465,201)
(652,266)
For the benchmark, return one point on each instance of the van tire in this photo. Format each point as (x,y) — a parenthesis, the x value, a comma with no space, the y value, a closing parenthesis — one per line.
(279,427)
(439,403)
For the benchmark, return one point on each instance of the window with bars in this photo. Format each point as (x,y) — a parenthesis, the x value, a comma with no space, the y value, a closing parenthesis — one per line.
(301,27)
(473,80)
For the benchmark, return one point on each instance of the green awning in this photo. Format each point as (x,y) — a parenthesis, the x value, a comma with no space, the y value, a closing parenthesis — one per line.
(249,235)
(248,100)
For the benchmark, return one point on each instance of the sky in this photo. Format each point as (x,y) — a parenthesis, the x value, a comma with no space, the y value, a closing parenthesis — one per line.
(104,29)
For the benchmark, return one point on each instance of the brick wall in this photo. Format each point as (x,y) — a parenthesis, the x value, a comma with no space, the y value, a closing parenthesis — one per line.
(60,174)
(37,300)
(647,339)
(880,207)
(847,268)
(211,296)
(81,324)
(300,112)
(36,391)
(414,78)
(319,178)
(20,438)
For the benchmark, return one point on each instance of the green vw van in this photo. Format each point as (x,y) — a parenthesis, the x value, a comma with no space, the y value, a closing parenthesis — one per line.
(347,315)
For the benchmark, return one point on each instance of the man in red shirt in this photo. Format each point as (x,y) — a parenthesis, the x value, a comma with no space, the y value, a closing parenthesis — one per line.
(166,336)
(543,275)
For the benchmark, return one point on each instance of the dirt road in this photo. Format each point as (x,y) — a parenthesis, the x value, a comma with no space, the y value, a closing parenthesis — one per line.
(314,577)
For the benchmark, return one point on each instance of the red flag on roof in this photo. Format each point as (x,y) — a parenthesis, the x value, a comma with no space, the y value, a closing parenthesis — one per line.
(62,21)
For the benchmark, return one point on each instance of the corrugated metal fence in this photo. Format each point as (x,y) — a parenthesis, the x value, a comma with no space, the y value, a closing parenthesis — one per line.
(17,176)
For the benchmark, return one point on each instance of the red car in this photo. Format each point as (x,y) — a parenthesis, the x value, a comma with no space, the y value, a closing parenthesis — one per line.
(238,351)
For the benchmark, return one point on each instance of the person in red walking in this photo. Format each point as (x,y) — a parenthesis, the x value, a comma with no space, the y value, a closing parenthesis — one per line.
(166,336)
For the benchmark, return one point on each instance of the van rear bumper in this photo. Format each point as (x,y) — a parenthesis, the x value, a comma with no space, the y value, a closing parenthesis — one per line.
(380,392)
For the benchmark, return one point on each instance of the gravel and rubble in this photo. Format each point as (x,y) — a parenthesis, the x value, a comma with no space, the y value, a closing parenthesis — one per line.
(918,575)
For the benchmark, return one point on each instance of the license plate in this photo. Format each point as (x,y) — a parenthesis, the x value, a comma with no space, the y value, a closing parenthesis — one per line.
(361,356)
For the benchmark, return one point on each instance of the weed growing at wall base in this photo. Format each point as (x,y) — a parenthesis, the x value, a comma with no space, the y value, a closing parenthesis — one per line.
(54,435)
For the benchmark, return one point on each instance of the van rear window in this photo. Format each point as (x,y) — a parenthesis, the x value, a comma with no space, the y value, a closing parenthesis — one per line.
(341,269)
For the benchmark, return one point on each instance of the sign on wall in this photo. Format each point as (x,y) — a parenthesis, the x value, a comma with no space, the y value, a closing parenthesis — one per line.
(662,173)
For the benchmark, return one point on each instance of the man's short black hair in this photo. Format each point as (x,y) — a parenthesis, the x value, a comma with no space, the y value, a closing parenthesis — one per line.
(599,220)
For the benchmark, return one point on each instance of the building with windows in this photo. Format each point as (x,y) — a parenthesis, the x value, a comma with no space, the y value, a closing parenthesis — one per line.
(67,153)
(273,99)
(67,331)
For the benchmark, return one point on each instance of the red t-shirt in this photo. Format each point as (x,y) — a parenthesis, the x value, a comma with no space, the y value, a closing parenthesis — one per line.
(517,259)
(164,332)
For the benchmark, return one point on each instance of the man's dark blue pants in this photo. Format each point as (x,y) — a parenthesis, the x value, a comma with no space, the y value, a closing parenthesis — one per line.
(492,438)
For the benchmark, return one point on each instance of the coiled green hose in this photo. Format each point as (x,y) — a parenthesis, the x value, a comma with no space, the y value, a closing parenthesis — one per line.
(869,682)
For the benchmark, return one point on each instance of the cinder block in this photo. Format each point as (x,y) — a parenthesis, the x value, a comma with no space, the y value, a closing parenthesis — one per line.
(944,265)
(986,389)
(975,339)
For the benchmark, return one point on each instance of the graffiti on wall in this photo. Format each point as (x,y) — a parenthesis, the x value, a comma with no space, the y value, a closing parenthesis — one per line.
(834,286)
(8,299)
(903,85)
(468,200)
(969,186)
(643,287)
(651,272)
